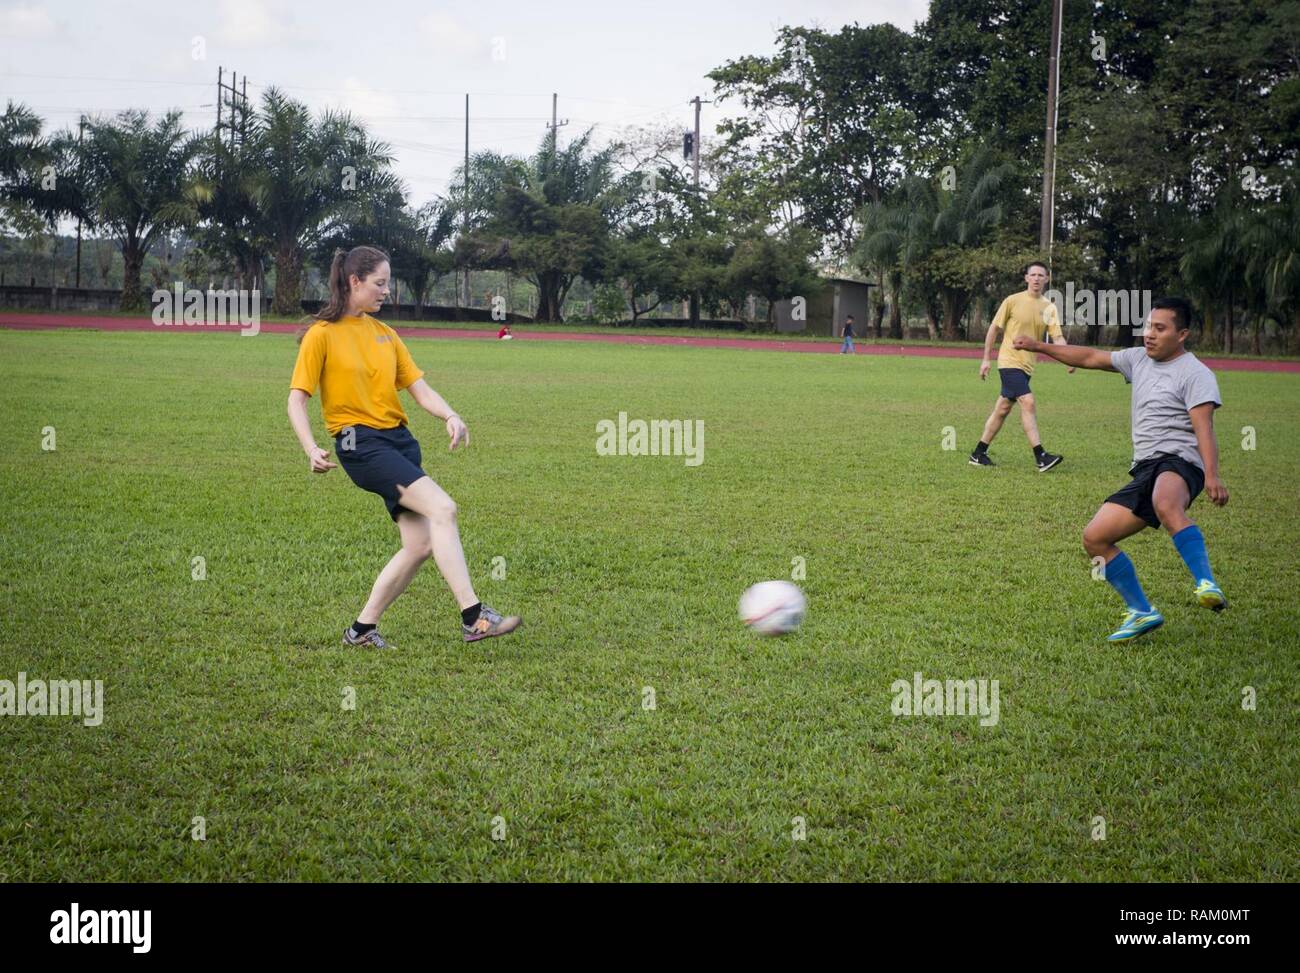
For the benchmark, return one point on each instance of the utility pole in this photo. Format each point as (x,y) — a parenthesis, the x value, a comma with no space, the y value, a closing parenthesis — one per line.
(238,102)
(695,153)
(555,125)
(555,151)
(81,127)
(695,164)
(464,225)
(1049,155)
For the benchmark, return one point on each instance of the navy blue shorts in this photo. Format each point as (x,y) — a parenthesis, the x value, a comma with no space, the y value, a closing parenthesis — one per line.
(1015,383)
(1137,495)
(380,460)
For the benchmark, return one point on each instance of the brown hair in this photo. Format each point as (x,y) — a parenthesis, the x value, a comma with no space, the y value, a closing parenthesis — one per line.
(361,261)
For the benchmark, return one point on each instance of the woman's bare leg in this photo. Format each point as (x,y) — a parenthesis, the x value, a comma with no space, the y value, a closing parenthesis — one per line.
(398,572)
(427,498)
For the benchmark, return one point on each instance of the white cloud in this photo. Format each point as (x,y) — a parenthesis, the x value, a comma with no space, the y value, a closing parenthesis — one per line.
(26,22)
(364,102)
(445,36)
(248,23)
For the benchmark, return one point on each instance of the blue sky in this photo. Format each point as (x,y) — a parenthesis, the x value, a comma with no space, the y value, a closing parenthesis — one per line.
(404,67)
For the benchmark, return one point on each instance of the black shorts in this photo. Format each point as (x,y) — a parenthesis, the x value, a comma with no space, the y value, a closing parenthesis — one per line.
(1137,495)
(1015,383)
(380,460)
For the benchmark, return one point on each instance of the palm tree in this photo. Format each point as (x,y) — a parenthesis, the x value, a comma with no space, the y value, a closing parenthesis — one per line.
(231,224)
(24,205)
(414,240)
(303,172)
(547,218)
(920,230)
(880,248)
(1272,242)
(1212,265)
(139,182)
(433,227)
(964,218)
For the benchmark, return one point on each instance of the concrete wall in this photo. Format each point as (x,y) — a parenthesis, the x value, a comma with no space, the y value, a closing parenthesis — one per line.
(826,309)
(91,299)
(59,298)
(850,298)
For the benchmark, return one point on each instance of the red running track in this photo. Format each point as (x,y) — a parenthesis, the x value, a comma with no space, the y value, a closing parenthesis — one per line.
(44,322)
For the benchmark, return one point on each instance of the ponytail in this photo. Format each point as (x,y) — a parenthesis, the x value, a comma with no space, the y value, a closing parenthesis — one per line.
(360,261)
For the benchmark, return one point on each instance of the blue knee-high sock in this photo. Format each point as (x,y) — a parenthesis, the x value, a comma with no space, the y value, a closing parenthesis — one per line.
(1123,578)
(1191,546)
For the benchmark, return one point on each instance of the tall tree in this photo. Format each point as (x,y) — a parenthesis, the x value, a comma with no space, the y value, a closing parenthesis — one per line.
(551,217)
(1272,240)
(305,171)
(829,123)
(27,201)
(932,225)
(139,181)
(231,225)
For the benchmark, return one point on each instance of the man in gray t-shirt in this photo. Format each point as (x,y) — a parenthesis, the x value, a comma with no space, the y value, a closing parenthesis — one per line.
(1175,455)
(1164,393)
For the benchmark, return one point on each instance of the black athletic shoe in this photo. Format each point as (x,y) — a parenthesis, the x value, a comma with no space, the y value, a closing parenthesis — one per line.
(1047,461)
(982,459)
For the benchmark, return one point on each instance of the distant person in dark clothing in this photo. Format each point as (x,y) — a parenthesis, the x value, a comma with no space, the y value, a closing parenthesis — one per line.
(847,347)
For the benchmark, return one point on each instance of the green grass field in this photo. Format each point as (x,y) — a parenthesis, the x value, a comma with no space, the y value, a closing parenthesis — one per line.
(223,698)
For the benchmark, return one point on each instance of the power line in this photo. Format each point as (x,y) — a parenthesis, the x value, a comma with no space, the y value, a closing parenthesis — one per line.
(297,87)
(85,77)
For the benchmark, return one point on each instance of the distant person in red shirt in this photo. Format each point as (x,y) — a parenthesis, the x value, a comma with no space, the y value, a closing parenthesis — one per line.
(504,333)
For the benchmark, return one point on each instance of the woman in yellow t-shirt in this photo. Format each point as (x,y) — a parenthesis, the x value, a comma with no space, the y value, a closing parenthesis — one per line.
(360,365)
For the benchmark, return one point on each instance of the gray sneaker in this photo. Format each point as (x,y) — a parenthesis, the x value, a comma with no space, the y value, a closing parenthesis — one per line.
(372,639)
(490,624)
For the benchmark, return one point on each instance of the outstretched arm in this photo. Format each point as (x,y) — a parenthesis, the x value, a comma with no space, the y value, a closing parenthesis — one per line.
(1077,356)
(1060,340)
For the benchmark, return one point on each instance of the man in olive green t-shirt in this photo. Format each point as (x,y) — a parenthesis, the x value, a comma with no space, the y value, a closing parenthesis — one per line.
(1029,315)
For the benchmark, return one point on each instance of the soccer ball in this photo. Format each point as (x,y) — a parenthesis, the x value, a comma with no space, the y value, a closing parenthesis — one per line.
(772,607)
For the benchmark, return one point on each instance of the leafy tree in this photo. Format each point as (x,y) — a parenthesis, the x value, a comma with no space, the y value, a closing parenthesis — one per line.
(231,225)
(304,173)
(549,218)
(139,181)
(1271,237)
(773,267)
(647,267)
(830,122)
(26,207)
